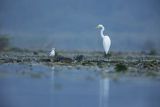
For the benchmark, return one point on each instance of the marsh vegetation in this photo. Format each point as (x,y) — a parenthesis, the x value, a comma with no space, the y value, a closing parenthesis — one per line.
(137,63)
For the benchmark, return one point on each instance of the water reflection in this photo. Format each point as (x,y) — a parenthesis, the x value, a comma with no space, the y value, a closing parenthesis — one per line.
(60,86)
(52,77)
(104,92)
(52,73)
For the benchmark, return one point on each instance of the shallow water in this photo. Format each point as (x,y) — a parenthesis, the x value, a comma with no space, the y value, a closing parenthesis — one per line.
(59,86)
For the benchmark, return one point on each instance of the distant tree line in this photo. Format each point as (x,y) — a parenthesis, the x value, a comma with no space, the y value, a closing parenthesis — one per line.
(4,42)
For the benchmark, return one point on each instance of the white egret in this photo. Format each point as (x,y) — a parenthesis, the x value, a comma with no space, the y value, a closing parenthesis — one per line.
(52,53)
(106,39)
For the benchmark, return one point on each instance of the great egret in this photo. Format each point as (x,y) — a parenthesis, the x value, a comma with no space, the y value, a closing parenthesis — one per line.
(106,39)
(52,53)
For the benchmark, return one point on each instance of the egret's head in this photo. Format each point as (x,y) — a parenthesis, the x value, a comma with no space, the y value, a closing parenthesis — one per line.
(100,26)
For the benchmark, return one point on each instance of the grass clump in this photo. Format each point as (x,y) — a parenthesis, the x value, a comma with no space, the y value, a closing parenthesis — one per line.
(63,59)
(107,55)
(4,42)
(79,58)
(153,52)
(121,67)
(151,74)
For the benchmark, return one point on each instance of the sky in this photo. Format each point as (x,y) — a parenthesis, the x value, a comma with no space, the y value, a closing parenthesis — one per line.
(133,25)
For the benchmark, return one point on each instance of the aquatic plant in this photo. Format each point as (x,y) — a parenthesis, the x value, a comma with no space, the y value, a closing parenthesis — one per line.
(4,42)
(153,52)
(151,74)
(16,49)
(87,63)
(120,67)
(107,55)
(35,52)
(79,58)
(63,59)
(101,64)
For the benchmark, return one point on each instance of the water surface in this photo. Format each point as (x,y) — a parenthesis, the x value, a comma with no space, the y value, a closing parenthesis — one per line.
(36,85)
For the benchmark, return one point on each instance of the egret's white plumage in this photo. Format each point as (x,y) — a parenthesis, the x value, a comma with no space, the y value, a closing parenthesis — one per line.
(106,39)
(52,53)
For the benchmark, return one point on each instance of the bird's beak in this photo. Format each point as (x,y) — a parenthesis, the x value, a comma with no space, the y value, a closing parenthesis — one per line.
(97,27)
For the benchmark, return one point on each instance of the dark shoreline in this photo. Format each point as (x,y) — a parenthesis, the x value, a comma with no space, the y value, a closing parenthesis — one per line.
(120,62)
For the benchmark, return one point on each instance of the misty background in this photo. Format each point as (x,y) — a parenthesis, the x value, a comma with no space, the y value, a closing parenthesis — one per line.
(133,25)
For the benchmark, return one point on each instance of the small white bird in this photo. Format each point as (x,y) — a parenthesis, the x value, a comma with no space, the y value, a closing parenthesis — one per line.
(52,53)
(106,39)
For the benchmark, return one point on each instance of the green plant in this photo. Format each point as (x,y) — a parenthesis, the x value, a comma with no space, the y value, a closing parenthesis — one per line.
(120,67)
(107,55)
(4,42)
(153,52)
(79,58)
(151,74)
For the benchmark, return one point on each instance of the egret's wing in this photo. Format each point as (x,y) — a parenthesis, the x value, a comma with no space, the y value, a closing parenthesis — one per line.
(106,43)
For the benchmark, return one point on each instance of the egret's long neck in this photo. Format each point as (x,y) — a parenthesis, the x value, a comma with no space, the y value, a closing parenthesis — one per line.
(102,32)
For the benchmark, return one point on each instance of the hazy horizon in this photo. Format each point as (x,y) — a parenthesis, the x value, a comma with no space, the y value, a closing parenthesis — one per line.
(71,25)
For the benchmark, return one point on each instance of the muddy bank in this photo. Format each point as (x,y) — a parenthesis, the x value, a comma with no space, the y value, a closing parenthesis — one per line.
(119,62)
